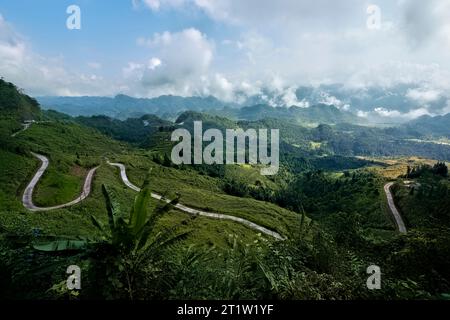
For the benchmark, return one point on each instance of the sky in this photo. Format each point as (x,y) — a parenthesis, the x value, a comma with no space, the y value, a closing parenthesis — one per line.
(226,48)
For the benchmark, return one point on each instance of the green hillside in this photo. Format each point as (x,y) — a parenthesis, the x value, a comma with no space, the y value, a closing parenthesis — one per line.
(329,208)
(438,126)
(72,149)
(134,130)
(124,107)
(16,105)
(312,116)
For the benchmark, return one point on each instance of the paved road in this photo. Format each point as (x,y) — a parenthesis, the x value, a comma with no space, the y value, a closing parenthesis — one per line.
(192,211)
(25,127)
(27,198)
(393,208)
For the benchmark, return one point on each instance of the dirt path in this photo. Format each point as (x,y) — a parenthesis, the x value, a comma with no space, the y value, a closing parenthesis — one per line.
(192,211)
(27,198)
(393,208)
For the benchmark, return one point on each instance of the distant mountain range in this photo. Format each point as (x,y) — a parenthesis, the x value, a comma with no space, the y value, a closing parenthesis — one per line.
(123,107)
(402,98)
(341,139)
(169,107)
(438,126)
(336,131)
(311,116)
(332,104)
(132,129)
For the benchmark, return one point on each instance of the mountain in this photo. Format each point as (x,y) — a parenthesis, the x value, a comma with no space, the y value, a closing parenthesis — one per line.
(311,116)
(340,139)
(376,104)
(169,107)
(15,104)
(325,202)
(438,126)
(317,104)
(123,106)
(401,97)
(134,130)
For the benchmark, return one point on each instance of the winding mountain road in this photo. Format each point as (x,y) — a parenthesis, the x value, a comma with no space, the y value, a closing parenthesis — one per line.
(393,208)
(192,211)
(27,198)
(25,125)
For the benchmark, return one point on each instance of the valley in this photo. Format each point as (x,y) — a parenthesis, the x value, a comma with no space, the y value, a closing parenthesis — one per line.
(74,190)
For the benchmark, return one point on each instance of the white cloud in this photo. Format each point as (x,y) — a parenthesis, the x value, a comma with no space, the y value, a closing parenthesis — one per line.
(412,114)
(269,49)
(426,21)
(42,75)
(222,88)
(329,100)
(154,63)
(423,95)
(284,11)
(12,46)
(394,72)
(131,69)
(290,98)
(186,55)
(415,113)
(387,113)
(156,5)
(184,59)
(362,114)
(152,4)
(446,109)
(303,42)
(95,65)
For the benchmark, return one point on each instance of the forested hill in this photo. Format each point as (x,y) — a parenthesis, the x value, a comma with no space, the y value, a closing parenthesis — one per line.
(123,106)
(326,140)
(133,130)
(170,107)
(316,114)
(438,126)
(14,104)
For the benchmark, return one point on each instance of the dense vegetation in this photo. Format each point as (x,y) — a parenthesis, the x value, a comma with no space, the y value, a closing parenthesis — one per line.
(132,130)
(124,107)
(329,205)
(16,105)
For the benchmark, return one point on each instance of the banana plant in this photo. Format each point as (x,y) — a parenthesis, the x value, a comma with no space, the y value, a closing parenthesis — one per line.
(129,244)
(132,234)
(126,234)
(134,237)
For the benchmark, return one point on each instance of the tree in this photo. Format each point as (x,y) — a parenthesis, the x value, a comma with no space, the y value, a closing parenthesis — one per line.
(440,169)
(408,171)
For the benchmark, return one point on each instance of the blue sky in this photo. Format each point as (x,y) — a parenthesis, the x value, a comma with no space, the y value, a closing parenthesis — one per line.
(109,31)
(231,49)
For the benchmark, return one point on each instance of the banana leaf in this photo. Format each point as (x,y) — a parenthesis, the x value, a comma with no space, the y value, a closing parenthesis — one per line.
(97,223)
(112,206)
(139,212)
